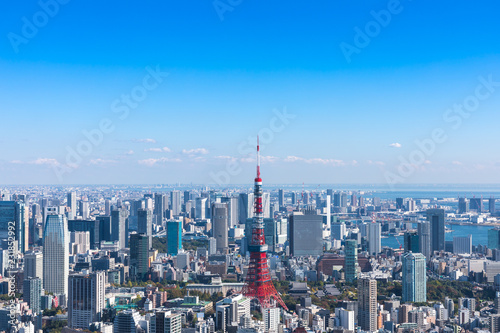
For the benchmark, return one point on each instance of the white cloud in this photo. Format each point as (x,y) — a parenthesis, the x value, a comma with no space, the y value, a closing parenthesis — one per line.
(159,150)
(379,163)
(395,145)
(99,161)
(196,151)
(248,160)
(154,161)
(45,161)
(225,157)
(323,161)
(130,152)
(270,159)
(16,162)
(456,163)
(145,140)
(293,159)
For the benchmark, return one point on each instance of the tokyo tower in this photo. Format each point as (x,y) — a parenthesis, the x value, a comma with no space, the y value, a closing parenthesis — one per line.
(258,282)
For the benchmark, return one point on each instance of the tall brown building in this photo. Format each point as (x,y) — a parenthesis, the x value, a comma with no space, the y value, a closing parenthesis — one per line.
(367,307)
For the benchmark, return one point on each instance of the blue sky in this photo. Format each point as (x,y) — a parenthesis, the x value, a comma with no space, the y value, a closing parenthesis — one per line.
(228,78)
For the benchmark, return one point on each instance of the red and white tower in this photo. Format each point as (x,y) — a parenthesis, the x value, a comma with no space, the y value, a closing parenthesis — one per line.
(258,282)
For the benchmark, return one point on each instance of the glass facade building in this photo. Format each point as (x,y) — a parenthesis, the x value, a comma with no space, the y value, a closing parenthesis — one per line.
(56,255)
(174,237)
(414,278)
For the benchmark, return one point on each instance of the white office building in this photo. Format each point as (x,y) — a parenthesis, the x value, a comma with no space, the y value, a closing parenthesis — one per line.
(271,317)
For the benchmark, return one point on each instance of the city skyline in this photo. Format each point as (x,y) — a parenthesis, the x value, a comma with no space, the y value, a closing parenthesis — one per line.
(352,116)
(131,133)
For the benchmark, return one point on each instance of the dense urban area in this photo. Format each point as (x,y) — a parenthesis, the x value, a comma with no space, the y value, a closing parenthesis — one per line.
(176,259)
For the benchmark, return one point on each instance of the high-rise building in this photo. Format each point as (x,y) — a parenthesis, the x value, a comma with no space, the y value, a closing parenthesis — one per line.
(56,255)
(212,246)
(271,318)
(496,302)
(84,209)
(166,322)
(374,238)
(306,234)
(477,204)
(328,205)
(412,242)
(336,199)
(145,223)
(85,299)
(232,210)
(467,303)
(118,227)
(107,207)
(494,323)
(345,319)
(436,219)
(79,242)
(462,245)
(367,304)
(463,206)
(354,200)
(16,213)
(159,210)
(450,306)
(494,238)
(187,197)
(219,220)
(491,205)
(229,310)
(139,256)
(71,203)
(32,293)
(33,265)
(245,207)
(96,229)
(294,198)
(424,234)
(281,198)
(175,202)
(174,237)
(200,208)
(414,278)
(400,203)
(126,322)
(351,260)
(411,205)
(339,231)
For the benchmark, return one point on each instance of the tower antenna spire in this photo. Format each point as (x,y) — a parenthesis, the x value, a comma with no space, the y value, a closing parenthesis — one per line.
(258,157)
